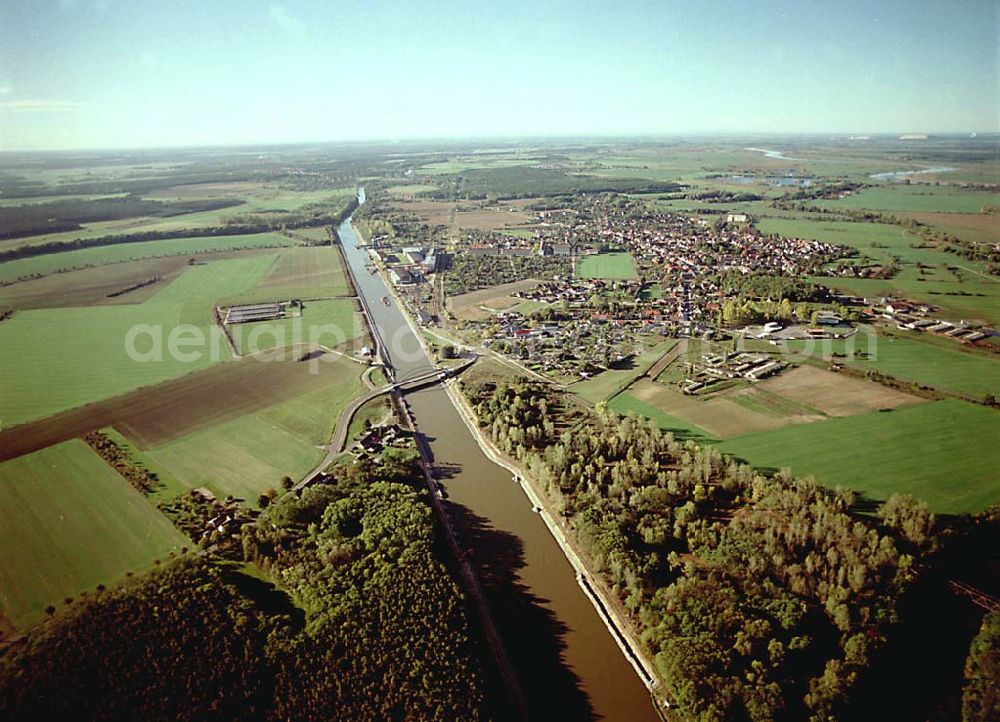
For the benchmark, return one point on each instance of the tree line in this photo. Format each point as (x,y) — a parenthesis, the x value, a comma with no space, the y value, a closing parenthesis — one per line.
(757,597)
(358,620)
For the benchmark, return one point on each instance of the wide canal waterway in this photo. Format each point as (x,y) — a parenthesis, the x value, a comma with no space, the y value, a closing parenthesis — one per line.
(569,666)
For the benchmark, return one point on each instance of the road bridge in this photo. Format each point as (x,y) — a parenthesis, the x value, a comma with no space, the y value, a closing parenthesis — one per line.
(411,382)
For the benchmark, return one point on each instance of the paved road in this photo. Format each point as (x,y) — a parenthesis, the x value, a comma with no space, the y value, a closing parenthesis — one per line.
(339,439)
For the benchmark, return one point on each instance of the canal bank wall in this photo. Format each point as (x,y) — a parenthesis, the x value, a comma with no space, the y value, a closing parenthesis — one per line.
(594,588)
(586,673)
(465,567)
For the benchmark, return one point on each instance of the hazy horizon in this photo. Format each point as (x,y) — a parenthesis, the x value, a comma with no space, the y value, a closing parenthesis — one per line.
(99,74)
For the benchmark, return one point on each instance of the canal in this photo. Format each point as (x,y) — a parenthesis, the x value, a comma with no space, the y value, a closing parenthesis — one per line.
(568,664)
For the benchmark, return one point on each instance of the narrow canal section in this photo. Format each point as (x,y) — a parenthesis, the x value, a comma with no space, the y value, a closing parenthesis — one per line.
(568,663)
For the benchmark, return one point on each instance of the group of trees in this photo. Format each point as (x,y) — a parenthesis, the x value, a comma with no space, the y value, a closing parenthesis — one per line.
(531,181)
(314,215)
(741,311)
(33,219)
(121,460)
(363,622)
(759,286)
(470,273)
(181,642)
(758,597)
(981,700)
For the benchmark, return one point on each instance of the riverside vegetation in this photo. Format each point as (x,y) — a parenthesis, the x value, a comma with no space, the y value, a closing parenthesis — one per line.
(362,622)
(758,597)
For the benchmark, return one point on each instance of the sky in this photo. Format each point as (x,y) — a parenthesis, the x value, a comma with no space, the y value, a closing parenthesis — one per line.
(160,73)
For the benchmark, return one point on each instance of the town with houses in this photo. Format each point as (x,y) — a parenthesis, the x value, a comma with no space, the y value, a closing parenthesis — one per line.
(568,324)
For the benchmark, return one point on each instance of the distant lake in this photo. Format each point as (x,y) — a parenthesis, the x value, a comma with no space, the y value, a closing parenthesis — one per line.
(897,174)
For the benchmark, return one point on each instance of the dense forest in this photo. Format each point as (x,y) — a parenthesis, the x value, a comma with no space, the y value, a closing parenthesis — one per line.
(981,701)
(66,215)
(760,598)
(465,273)
(528,181)
(319,214)
(361,622)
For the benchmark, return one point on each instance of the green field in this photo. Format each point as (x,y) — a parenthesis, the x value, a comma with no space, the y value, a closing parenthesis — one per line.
(934,451)
(68,522)
(300,273)
(879,240)
(959,286)
(258,199)
(328,323)
(917,197)
(610,382)
(929,361)
(246,455)
(606,265)
(410,189)
(56,262)
(56,359)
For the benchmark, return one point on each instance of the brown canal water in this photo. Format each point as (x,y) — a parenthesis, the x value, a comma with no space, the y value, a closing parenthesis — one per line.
(569,666)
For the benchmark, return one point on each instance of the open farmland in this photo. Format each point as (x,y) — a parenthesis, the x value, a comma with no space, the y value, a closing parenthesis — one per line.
(915,198)
(410,190)
(257,202)
(332,323)
(157,414)
(879,240)
(477,305)
(68,522)
(95,286)
(244,455)
(102,255)
(606,265)
(961,287)
(56,359)
(466,215)
(834,394)
(934,451)
(608,383)
(942,365)
(799,395)
(981,227)
(724,414)
(625,403)
(299,273)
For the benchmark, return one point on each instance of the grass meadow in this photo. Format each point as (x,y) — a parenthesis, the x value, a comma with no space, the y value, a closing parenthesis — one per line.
(245,455)
(606,265)
(328,323)
(915,198)
(930,362)
(68,522)
(934,451)
(56,359)
(102,255)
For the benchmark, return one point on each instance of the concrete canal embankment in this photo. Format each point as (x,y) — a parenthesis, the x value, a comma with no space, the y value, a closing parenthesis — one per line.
(568,663)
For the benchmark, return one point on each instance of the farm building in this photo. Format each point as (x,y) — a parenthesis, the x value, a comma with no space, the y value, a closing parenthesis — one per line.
(255,312)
